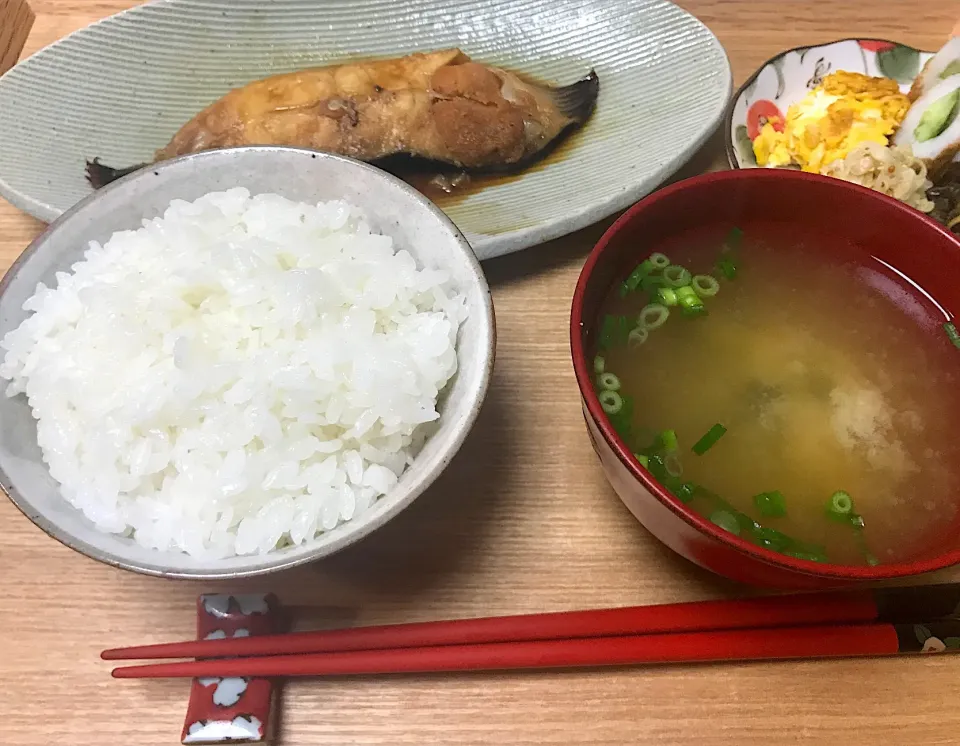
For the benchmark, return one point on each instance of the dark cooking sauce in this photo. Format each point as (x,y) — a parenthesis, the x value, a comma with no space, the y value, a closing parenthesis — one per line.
(447,187)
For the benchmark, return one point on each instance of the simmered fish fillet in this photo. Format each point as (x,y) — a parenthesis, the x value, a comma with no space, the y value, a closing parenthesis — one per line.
(437,106)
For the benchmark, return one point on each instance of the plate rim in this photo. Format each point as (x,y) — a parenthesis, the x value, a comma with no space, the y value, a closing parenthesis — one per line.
(485,245)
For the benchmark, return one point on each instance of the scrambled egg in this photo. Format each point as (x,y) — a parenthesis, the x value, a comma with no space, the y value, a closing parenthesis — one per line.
(845,110)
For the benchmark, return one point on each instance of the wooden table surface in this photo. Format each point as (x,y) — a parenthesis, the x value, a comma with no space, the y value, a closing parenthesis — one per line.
(523,521)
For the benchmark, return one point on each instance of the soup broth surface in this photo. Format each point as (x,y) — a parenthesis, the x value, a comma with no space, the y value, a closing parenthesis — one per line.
(828,374)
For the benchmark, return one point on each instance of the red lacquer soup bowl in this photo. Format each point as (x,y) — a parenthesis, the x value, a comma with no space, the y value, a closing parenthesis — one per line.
(854,219)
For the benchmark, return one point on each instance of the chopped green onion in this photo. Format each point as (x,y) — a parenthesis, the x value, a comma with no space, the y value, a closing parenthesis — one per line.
(622,421)
(653,316)
(651,284)
(611,401)
(644,461)
(726,520)
(668,438)
(733,239)
(673,465)
(672,483)
(656,466)
(637,337)
(624,289)
(840,506)
(667,296)
(686,295)
(608,331)
(705,285)
(609,382)
(685,491)
(770,538)
(709,439)
(689,301)
(727,265)
(659,260)
(599,364)
(857,522)
(746,522)
(662,473)
(676,276)
(727,268)
(725,515)
(953,334)
(613,330)
(642,270)
(771,504)
(871,560)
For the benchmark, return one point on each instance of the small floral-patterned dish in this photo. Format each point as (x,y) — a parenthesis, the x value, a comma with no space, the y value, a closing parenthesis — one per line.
(788,77)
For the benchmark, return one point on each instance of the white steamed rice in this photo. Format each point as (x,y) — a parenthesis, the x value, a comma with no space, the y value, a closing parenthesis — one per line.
(240,374)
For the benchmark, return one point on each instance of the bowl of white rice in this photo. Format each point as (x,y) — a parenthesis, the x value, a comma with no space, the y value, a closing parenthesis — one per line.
(238,362)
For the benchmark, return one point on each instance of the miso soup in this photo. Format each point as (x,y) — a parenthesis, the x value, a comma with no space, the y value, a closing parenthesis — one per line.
(803,399)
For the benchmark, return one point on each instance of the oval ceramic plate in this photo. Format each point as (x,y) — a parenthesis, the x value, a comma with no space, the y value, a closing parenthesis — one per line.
(121,88)
(790,75)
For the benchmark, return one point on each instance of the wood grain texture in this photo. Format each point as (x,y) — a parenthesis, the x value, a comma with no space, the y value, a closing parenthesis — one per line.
(16,20)
(522,521)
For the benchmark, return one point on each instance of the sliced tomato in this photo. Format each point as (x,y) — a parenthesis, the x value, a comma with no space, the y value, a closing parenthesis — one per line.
(872,45)
(761,112)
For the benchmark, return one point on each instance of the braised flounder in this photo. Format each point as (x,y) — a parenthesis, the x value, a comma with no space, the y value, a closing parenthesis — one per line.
(437,106)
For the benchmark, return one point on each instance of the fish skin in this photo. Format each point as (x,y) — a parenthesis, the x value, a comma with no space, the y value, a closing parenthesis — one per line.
(438,106)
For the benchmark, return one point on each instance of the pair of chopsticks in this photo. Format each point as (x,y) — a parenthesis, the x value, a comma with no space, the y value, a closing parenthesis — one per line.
(885,621)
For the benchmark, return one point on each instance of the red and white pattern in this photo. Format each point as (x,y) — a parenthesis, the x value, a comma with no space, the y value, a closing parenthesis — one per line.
(234,710)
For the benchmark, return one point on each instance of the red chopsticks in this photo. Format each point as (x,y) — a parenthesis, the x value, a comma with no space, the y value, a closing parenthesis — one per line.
(878,622)
(759,644)
(776,611)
